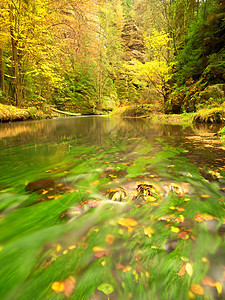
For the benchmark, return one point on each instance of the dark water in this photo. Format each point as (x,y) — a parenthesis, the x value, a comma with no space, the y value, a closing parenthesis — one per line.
(54,173)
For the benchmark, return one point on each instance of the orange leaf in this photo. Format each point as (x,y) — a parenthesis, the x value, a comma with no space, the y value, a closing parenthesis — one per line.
(100,252)
(58,287)
(208,281)
(120,267)
(182,271)
(110,239)
(127,269)
(197,289)
(183,235)
(127,222)
(69,285)
(199,218)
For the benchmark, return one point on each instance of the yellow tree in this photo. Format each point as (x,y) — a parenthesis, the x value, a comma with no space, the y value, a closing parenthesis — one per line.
(156,71)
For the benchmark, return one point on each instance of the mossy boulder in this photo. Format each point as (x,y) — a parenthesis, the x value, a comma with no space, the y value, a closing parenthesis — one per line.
(214,115)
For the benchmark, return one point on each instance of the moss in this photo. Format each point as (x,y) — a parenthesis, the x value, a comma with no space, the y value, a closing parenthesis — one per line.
(11,113)
(213,115)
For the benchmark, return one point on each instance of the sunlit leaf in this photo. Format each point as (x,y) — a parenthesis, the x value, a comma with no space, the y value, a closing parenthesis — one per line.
(174,229)
(58,287)
(127,222)
(189,269)
(148,231)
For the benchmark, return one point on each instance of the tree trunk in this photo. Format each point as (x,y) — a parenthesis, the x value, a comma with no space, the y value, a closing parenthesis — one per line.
(2,84)
(17,88)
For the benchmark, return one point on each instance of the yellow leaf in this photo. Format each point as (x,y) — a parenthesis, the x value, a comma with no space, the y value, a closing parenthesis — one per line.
(126,269)
(219,287)
(189,269)
(205,260)
(148,231)
(205,196)
(110,239)
(197,289)
(98,249)
(44,192)
(174,229)
(127,222)
(150,198)
(58,247)
(58,287)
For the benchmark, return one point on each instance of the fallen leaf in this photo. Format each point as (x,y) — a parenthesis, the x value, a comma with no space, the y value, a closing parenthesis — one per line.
(180,219)
(58,287)
(120,267)
(110,239)
(127,222)
(69,284)
(100,252)
(174,229)
(106,288)
(205,196)
(126,269)
(189,269)
(197,289)
(148,231)
(183,235)
(182,271)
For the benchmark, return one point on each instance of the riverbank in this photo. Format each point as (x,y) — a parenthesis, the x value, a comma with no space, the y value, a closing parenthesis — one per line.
(9,113)
(209,115)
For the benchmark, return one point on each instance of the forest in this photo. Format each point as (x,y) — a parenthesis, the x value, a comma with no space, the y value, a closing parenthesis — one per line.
(112,180)
(91,57)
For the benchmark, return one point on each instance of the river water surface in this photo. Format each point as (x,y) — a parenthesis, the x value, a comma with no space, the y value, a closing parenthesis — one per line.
(101,208)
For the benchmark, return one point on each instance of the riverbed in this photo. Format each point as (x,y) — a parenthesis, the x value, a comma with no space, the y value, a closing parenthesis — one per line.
(94,207)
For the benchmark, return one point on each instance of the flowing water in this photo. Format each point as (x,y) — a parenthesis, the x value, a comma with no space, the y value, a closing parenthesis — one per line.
(102,208)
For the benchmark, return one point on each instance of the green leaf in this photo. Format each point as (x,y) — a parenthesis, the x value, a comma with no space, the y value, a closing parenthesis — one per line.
(106,288)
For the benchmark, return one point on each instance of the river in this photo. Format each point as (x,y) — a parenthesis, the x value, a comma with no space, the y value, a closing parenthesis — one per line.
(94,207)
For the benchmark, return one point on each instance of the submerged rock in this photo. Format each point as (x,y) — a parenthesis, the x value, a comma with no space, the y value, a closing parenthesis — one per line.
(39,185)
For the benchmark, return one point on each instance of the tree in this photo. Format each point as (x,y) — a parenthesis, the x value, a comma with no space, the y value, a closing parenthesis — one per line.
(155,72)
